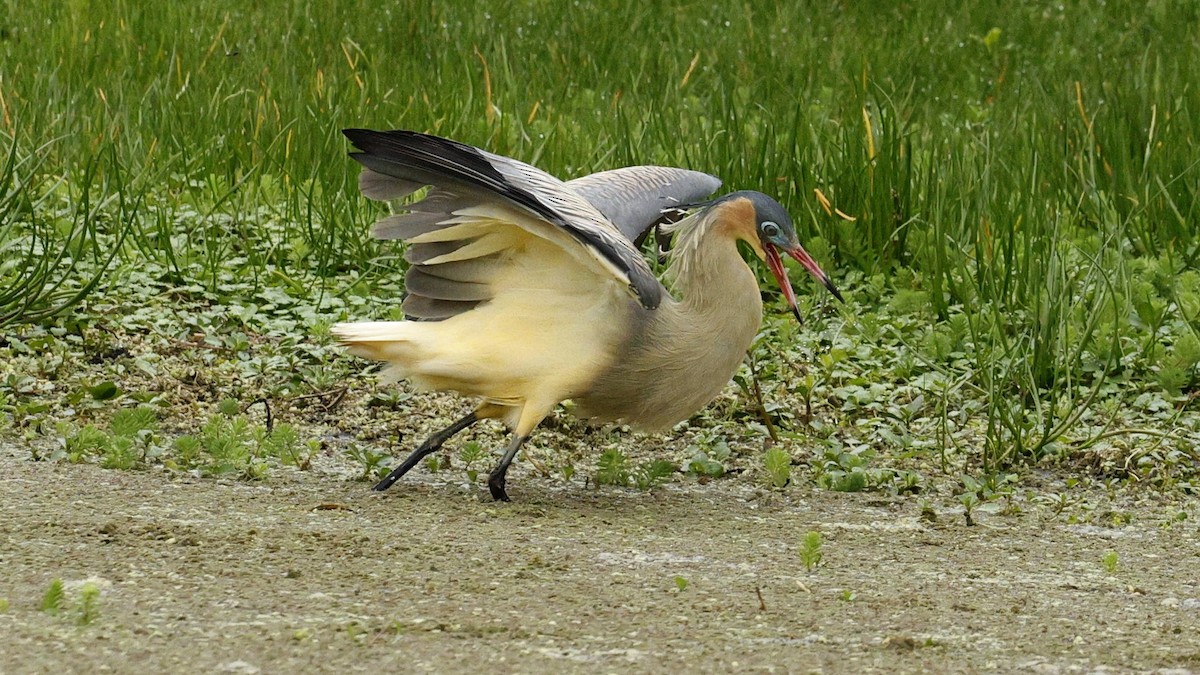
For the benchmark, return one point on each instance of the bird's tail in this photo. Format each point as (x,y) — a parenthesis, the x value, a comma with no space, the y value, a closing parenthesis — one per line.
(380,340)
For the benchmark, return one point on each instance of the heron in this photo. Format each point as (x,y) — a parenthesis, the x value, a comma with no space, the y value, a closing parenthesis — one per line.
(524,291)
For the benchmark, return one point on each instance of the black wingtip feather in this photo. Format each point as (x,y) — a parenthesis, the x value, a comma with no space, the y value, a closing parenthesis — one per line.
(443,157)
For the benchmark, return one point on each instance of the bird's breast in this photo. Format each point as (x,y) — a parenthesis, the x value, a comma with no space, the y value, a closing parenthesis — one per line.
(671,365)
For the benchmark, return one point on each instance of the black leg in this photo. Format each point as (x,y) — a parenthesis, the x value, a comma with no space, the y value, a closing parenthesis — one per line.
(496,477)
(431,444)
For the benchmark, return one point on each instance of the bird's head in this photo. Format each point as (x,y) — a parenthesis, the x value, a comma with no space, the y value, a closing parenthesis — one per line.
(773,232)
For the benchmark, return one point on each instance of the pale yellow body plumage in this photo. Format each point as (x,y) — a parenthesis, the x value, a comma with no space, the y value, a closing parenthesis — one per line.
(545,335)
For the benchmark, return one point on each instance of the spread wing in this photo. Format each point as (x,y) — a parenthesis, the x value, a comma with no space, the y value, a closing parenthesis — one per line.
(480,208)
(634,198)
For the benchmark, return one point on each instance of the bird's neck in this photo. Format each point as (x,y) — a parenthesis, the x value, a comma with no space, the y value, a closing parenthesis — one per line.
(709,276)
(679,356)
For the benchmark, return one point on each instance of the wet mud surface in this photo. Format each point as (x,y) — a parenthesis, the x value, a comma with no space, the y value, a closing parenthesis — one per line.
(312,573)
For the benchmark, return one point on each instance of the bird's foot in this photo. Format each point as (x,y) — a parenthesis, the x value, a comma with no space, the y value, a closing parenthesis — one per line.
(389,480)
(496,487)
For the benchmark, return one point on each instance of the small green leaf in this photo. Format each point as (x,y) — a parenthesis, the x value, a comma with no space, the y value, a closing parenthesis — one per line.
(130,422)
(104,391)
(649,474)
(52,599)
(89,601)
(853,481)
(992,38)
(471,452)
(612,468)
(229,407)
(704,465)
(779,467)
(811,550)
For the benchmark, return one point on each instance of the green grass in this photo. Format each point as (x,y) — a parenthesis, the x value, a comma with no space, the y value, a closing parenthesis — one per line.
(1022,179)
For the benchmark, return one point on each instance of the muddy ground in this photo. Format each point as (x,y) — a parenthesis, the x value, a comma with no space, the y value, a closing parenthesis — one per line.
(311,573)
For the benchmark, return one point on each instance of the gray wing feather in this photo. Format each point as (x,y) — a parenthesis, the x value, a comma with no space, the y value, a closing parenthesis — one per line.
(419,254)
(407,225)
(384,188)
(431,309)
(478,270)
(633,198)
(417,281)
